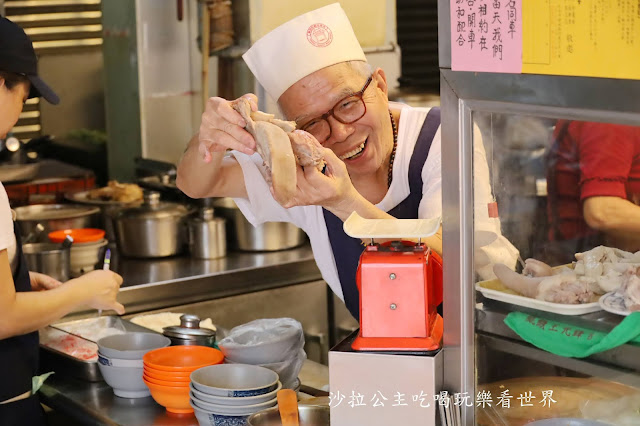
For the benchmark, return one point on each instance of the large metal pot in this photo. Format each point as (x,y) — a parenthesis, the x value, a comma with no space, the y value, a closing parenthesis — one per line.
(269,236)
(47,258)
(153,229)
(54,217)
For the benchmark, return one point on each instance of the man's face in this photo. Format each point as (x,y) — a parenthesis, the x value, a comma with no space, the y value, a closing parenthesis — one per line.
(364,145)
(11,103)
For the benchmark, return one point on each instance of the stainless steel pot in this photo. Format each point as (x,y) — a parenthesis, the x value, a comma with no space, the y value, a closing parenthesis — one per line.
(54,217)
(189,332)
(153,229)
(308,415)
(47,258)
(207,235)
(269,236)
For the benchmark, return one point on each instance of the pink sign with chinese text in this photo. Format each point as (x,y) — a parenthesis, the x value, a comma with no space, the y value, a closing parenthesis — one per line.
(486,35)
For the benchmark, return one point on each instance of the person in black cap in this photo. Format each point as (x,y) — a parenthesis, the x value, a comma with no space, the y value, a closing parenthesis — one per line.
(28,300)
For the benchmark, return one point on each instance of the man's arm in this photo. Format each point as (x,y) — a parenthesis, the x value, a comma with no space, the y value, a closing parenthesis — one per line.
(615,217)
(204,171)
(221,177)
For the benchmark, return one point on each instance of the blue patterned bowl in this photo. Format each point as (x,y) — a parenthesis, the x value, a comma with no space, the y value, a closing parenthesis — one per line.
(234,380)
(210,419)
(225,400)
(231,410)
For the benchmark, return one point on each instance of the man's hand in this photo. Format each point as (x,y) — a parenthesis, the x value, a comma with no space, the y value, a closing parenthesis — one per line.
(222,128)
(329,190)
(40,282)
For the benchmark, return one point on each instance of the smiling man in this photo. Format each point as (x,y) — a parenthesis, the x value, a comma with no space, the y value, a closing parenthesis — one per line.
(383,158)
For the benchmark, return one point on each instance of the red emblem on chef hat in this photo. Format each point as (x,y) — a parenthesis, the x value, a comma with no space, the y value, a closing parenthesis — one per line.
(319,35)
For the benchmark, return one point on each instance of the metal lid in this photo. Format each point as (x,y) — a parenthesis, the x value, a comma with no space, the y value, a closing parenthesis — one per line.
(189,329)
(153,208)
(54,211)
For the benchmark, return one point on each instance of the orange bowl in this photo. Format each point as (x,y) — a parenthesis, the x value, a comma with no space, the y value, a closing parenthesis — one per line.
(79,235)
(182,358)
(174,399)
(160,382)
(167,375)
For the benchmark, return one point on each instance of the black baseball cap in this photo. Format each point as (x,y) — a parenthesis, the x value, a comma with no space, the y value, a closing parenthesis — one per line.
(17,56)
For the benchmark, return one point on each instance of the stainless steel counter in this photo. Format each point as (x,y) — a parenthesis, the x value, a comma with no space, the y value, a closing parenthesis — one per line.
(157,283)
(160,283)
(95,404)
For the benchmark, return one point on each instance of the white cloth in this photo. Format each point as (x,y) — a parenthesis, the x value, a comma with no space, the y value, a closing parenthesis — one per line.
(7,237)
(260,206)
(301,46)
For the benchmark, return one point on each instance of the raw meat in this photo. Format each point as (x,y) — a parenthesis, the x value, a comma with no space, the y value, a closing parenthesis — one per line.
(68,344)
(597,271)
(536,268)
(307,149)
(281,147)
(272,143)
(562,288)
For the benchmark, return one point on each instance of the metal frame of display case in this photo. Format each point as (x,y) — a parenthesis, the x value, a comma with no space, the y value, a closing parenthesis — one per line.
(462,93)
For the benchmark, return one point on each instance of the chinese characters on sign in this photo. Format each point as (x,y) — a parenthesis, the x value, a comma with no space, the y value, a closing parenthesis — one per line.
(486,35)
(483,399)
(560,328)
(593,38)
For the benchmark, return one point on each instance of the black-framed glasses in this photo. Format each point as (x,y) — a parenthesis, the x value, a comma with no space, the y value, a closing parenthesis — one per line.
(347,110)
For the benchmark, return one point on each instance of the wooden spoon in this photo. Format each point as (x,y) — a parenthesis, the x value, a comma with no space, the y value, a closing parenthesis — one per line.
(288,406)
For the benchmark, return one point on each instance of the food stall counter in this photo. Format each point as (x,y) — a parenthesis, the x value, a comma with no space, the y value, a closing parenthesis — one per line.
(94,402)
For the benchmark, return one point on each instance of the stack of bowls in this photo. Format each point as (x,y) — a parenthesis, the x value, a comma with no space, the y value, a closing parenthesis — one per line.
(167,371)
(120,361)
(85,251)
(228,394)
(276,344)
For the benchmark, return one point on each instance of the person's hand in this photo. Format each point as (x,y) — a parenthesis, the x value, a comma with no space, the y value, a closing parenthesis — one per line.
(222,128)
(329,190)
(41,282)
(102,289)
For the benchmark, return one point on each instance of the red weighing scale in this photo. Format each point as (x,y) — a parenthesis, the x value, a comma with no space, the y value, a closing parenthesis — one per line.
(400,284)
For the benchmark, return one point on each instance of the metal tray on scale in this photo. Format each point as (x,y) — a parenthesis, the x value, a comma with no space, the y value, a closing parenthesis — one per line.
(70,347)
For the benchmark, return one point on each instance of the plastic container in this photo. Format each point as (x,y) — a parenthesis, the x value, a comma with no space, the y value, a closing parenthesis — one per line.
(79,235)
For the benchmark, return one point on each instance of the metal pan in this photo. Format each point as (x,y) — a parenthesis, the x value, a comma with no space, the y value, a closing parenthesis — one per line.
(52,359)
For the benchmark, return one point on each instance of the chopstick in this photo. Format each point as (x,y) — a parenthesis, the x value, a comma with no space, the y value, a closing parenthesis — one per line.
(106,264)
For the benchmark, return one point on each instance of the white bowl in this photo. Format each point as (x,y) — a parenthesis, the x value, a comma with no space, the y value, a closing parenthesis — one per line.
(282,340)
(84,257)
(234,380)
(232,410)
(226,400)
(126,382)
(131,345)
(206,418)
(117,362)
(287,370)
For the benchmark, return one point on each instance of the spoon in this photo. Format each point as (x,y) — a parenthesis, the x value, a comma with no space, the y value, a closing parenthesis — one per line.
(68,240)
(35,233)
(288,406)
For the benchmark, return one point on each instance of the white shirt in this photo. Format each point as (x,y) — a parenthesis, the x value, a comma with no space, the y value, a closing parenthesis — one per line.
(260,206)
(7,237)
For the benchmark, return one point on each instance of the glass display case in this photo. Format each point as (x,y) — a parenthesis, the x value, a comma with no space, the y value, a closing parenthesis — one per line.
(562,154)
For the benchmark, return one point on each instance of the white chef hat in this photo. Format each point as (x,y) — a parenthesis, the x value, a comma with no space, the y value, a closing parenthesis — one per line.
(301,46)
